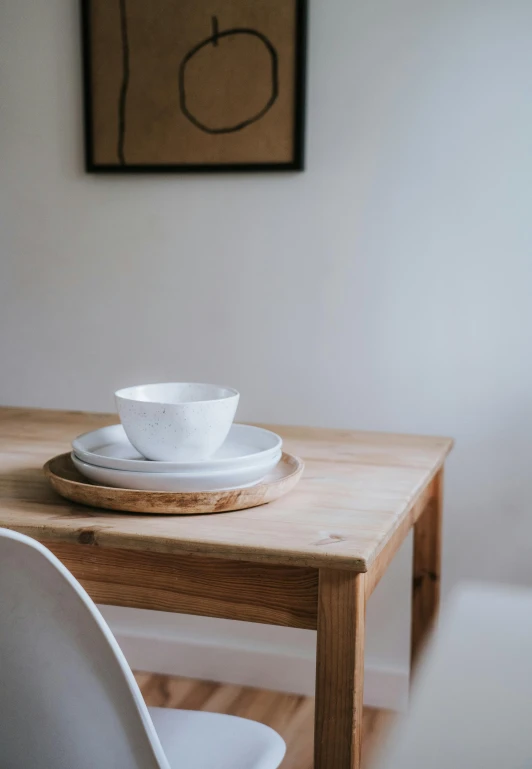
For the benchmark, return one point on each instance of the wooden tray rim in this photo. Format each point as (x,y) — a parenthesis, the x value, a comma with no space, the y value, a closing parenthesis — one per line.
(241,498)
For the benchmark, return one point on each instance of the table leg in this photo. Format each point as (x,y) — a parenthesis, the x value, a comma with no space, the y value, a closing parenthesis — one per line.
(339,670)
(426,569)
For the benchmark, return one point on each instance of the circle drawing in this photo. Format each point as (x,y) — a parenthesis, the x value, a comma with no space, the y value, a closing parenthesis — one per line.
(214,40)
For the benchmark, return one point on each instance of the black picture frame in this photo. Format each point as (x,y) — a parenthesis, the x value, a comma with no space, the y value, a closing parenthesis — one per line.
(298,162)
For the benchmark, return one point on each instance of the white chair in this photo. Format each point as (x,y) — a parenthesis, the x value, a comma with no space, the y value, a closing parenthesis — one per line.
(68,699)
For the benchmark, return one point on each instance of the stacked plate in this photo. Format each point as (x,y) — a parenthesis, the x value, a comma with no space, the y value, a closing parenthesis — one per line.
(107,457)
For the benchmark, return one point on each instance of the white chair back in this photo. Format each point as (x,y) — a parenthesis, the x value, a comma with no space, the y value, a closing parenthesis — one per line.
(68,699)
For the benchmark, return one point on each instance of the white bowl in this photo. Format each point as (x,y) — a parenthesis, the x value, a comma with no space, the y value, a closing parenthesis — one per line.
(177,421)
(221,480)
(244,446)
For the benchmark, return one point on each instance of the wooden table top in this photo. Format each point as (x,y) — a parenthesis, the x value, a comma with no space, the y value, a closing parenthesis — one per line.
(357,489)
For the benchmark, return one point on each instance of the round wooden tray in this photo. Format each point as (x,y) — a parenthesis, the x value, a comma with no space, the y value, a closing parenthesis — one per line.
(69,483)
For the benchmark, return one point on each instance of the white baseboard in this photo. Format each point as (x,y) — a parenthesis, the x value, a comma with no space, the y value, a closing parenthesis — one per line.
(262,666)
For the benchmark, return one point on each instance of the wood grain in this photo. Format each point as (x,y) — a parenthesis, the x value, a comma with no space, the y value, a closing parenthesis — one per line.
(426,573)
(190,584)
(69,483)
(357,490)
(289,714)
(380,565)
(340,670)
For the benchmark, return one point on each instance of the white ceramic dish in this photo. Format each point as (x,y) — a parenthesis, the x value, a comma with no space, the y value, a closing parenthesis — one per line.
(177,421)
(221,480)
(109,447)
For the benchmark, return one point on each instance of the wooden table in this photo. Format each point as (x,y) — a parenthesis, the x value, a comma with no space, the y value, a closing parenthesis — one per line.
(308,560)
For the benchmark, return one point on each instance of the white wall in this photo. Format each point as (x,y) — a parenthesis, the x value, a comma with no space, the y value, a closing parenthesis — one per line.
(386,287)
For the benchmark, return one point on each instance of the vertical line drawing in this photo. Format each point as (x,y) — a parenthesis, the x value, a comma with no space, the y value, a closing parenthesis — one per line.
(122,99)
(215,30)
(107,115)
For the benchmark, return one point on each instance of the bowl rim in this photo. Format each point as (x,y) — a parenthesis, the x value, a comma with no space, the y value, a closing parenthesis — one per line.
(124,393)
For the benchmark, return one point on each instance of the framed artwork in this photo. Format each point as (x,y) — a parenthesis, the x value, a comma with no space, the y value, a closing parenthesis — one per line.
(194,85)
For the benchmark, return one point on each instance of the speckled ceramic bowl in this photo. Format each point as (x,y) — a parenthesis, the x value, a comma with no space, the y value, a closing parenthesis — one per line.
(177,421)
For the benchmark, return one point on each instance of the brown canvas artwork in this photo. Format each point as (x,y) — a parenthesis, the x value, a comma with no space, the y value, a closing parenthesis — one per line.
(194,83)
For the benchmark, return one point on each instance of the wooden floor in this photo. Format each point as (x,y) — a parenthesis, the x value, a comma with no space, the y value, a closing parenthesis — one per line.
(289,714)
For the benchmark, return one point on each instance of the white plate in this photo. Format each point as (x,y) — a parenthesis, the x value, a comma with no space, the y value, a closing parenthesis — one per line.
(221,480)
(245,446)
